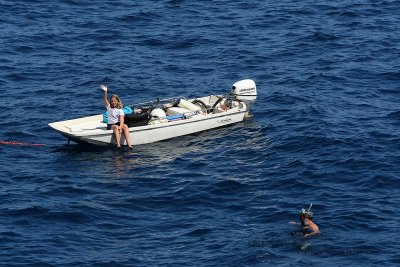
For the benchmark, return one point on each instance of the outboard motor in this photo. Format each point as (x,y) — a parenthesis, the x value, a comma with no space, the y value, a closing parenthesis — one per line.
(245,91)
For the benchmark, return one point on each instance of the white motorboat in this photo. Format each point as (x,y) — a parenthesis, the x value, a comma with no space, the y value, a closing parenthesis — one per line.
(168,118)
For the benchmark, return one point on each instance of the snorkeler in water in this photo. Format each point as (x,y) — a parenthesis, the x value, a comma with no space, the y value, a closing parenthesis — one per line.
(308,226)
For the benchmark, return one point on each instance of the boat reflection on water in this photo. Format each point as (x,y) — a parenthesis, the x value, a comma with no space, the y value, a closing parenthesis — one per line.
(208,148)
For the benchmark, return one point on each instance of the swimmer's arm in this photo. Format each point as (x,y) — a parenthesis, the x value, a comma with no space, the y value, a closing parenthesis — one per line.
(312,233)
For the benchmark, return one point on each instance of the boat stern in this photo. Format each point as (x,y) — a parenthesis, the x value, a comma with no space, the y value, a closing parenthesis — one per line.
(245,91)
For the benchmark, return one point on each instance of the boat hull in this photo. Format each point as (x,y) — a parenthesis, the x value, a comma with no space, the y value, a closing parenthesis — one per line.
(98,135)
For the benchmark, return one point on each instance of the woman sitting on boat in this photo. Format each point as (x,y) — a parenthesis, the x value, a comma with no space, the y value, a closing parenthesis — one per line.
(116,117)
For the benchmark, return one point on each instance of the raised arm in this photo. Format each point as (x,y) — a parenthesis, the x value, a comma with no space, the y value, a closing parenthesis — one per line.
(104,88)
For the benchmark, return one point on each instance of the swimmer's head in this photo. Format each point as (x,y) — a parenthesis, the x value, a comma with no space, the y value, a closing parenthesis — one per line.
(305,214)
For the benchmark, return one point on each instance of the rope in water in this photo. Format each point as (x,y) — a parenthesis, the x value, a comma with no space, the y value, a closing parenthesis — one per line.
(13,143)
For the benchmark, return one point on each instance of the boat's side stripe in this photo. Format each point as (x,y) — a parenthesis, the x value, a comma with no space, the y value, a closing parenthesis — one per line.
(187,122)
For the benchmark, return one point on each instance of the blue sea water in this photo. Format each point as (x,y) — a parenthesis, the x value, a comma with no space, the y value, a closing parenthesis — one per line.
(325,131)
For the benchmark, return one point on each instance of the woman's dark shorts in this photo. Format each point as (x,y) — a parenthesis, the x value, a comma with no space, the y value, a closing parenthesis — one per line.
(110,125)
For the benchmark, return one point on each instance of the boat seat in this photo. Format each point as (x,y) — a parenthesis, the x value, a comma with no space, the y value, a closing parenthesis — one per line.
(221,107)
(172,111)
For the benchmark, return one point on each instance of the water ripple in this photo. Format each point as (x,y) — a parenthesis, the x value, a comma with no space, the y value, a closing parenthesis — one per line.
(324,131)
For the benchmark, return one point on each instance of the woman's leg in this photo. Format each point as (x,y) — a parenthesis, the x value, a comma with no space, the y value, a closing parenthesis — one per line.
(117,134)
(125,129)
